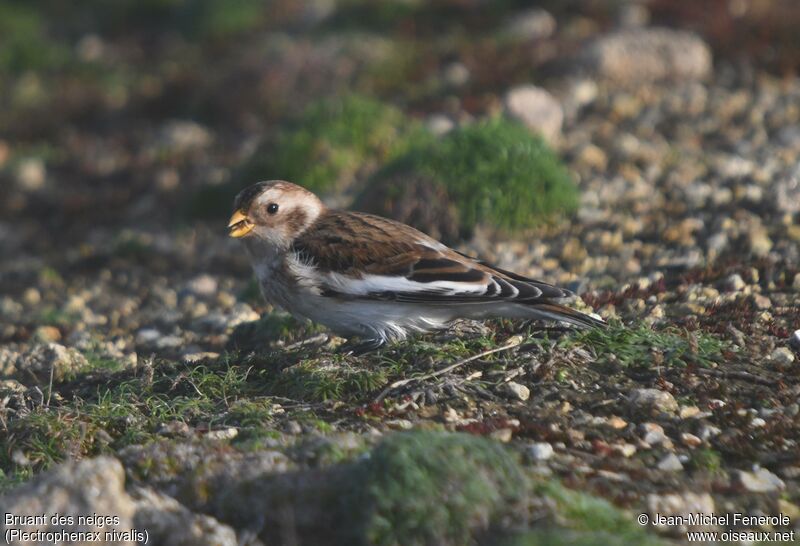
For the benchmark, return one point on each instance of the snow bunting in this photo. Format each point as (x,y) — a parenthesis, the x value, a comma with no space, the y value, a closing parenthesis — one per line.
(365,276)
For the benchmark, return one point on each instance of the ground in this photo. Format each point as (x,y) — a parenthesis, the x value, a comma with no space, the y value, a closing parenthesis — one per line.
(136,352)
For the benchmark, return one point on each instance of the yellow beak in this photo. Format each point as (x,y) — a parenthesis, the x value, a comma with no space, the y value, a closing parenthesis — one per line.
(239,225)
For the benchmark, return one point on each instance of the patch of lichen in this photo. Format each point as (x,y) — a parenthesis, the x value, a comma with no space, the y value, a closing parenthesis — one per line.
(334,142)
(496,173)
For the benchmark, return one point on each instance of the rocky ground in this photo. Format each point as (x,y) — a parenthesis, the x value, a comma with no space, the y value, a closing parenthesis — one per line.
(144,378)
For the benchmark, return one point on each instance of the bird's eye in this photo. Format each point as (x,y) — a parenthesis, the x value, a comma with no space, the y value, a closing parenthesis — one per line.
(272,208)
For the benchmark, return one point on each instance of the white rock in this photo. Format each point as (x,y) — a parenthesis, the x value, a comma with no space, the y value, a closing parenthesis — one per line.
(184,135)
(72,490)
(202,285)
(782,356)
(670,463)
(760,480)
(735,282)
(652,54)
(532,24)
(147,336)
(31,174)
(652,399)
(540,451)
(440,124)
(680,504)
(516,390)
(537,109)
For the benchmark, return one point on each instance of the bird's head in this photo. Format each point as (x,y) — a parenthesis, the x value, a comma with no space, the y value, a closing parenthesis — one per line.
(274,212)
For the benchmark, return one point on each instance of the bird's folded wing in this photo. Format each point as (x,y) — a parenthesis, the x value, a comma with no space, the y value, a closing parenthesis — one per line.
(426,275)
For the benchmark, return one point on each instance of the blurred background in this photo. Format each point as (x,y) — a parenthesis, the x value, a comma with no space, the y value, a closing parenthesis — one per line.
(597,140)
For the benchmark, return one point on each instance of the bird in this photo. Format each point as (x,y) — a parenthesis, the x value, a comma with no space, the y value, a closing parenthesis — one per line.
(373,279)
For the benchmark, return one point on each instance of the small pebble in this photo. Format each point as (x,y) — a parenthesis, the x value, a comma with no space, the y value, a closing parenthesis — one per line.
(782,356)
(670,463)
(539,451)
(760,480)
(652,400)
(517,391)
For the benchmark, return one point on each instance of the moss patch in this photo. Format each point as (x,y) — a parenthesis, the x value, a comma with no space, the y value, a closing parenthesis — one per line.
(331,144)
(641,346)
(495,172)
(435,488)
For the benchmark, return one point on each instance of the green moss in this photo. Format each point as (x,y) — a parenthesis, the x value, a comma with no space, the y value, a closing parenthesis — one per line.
(333,142)
(496,172)
(585,513)
(434,488)
(706,460)
(642,346)
(23,42)
(568,537)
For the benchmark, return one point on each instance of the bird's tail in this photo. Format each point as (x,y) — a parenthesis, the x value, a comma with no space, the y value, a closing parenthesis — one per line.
(558,312)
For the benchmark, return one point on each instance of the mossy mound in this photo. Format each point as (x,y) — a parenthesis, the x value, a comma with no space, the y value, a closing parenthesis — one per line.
(333,143)
(435,488)
(495,172)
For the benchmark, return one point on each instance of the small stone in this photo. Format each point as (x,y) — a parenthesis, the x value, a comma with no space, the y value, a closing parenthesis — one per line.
(617,422)
(31,297)
(456,74)
(147,336)
(202,285)
(709,431)
(31,174)
(761,302)
(791,510)
(653,434)
(651,54)
(47,334)
(193,358)
(536,109)
(652,400)
(680,504)
(670,463)
(174,428)
(690,440)
(758,422)
(687,412)
(183,135)
(169,522)
(400,424)
(781,356)
(440,124)
(593,157)
(539,451)
(223,434)
(42,358)
(760,243)
(73,491)
(293,428)
(760,480)
(735,283)
(502,435)
(532,24)
(90,48)
(517,391)
(626,450)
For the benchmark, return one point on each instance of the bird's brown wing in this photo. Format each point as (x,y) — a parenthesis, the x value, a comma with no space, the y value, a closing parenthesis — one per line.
(374,258)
